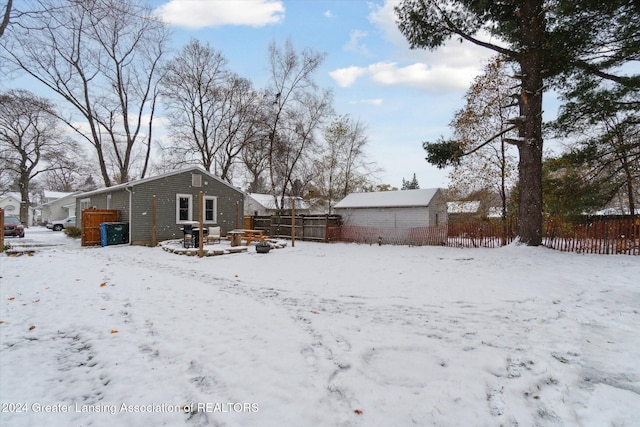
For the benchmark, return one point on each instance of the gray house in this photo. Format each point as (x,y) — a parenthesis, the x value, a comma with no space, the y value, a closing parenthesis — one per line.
(176,203)
(400,217)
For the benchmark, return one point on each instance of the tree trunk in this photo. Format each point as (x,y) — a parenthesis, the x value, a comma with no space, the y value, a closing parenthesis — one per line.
(530,204)
(24,198)
(530,147)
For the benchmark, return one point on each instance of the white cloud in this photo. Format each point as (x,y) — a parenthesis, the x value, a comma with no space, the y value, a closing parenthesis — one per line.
(432,78)
(376,101)
(354,44)
(200,14)
(329,14)
(345,77)
(465,60)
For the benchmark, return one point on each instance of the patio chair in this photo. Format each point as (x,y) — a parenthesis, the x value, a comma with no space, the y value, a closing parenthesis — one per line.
(213,236)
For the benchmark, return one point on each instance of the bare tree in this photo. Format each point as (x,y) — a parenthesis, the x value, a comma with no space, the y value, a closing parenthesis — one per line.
(6,16)
(492,166)
(29,139)
(102,58)
(69,171)
(342,165)
(212,110)
(298,108)
(255,159)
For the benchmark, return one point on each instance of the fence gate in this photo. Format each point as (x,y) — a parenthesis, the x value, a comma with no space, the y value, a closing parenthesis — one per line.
(91,220)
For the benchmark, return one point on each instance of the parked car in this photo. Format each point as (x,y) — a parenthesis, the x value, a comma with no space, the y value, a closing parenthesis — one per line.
(61,224)
(13,226)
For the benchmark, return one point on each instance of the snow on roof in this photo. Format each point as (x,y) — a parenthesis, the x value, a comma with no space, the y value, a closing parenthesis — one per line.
(463,207)
(495,212)
(53,195)
(12,195)
(613,211)
(268,201)
(195,169)
(387,199)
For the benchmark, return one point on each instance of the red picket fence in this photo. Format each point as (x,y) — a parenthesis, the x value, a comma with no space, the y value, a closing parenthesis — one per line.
(613,236)
(416,236)
(481,234)
(617,236)
(470,235)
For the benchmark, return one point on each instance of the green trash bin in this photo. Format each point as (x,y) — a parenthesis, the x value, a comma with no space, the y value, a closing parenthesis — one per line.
(115,233)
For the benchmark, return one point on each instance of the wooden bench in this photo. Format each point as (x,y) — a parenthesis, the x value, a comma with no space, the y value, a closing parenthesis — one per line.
(237,236)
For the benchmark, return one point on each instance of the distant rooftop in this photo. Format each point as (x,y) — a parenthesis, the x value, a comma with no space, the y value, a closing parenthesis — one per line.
(268,201)
(471,206)
(53,195)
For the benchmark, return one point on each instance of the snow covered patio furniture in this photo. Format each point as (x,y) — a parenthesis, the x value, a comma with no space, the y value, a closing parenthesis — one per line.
(237,236)
(213,236)
(192,234)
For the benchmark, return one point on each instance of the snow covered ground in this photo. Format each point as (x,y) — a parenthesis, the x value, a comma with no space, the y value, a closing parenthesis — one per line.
(317,335)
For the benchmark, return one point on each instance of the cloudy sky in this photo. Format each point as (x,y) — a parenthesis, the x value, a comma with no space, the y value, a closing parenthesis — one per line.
(403,96)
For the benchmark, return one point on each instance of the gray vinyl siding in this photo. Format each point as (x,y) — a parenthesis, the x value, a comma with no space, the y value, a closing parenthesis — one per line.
(165,189)
(119,201)
(399,218)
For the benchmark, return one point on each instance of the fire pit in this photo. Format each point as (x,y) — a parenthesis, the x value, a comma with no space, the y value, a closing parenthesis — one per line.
(263,247)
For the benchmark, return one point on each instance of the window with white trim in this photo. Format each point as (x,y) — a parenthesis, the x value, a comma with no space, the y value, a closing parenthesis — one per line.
(184,208)
(85,204)
(210,209)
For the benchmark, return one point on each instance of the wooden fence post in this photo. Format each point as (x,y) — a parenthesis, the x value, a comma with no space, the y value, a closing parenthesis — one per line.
(2,226)
(154,223)
(293,222)
(237,215)
(200,225)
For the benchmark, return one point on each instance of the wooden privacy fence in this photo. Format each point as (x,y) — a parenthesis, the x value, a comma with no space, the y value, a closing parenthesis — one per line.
(614,236)
(91,220)
(320,228)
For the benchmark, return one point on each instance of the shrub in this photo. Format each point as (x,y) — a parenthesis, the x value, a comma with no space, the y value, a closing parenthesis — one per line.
(74,232)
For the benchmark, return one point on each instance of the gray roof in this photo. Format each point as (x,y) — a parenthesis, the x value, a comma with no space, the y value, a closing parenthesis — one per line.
(388,199)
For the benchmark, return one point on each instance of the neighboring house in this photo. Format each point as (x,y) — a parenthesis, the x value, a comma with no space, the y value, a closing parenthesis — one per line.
(394,216)
(176,200)
(10,202)
(57,206)
(613,212)
(463,211)
(485,208)
(265,204)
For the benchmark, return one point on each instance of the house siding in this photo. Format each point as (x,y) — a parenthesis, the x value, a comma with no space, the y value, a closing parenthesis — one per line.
(165,189)
(389,224)
(397,218)
(400,218)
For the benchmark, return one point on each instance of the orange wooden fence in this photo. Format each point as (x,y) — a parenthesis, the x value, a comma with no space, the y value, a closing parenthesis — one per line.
(617,236)
(614,236)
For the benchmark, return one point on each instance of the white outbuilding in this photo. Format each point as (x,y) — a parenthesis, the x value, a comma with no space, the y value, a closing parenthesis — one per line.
(400,217)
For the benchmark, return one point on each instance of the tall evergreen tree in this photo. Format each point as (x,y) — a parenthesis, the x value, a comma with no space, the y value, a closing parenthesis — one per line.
(548,40)
(411,184)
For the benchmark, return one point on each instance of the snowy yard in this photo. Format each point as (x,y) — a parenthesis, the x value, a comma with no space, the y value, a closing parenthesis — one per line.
(317,335)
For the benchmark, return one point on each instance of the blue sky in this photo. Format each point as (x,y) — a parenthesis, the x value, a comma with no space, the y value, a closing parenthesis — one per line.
(402,96)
